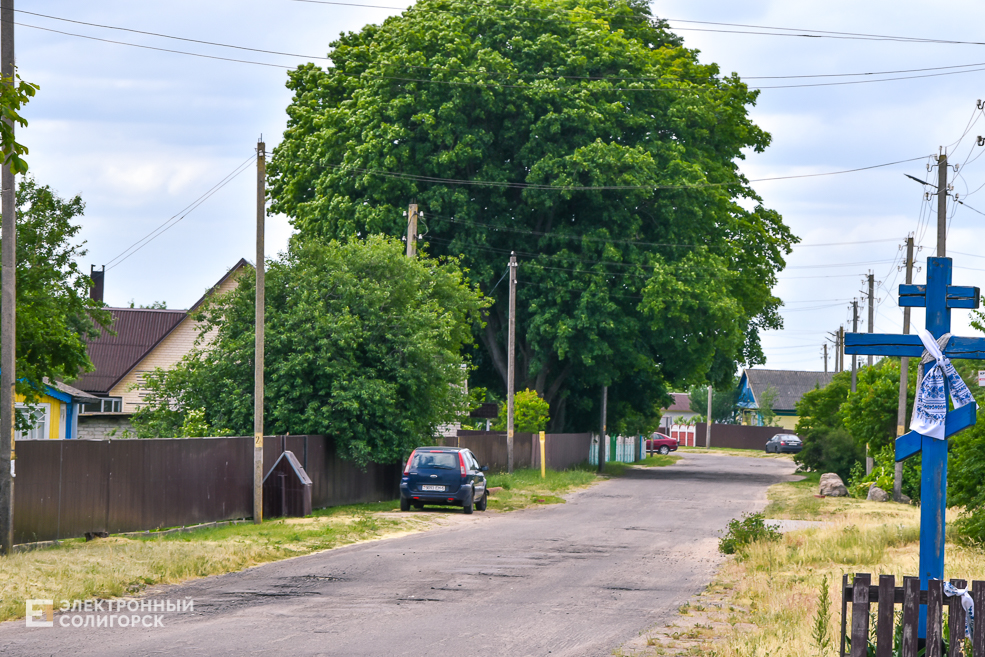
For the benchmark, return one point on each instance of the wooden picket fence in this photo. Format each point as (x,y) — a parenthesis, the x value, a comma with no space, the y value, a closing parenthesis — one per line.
(862,593)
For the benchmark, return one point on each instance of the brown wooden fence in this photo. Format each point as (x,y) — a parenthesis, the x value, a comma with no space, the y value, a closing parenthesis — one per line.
(861,593)
(736,436)
(563,450)
(65,488)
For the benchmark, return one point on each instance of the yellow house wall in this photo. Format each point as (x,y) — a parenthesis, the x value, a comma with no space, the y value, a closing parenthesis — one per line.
(165,355)
(787,421)
(54,420)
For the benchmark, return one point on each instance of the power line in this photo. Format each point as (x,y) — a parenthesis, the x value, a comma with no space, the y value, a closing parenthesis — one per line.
(519,185)
(188,209)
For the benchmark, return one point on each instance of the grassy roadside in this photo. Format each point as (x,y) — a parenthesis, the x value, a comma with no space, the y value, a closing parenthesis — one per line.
(765,600)
(122,566)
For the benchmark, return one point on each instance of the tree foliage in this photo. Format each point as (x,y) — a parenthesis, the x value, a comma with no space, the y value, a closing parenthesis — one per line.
(54,312)
(828,447)
(14,94)
(362,344)
(530,412)
(723,402)
(597,147)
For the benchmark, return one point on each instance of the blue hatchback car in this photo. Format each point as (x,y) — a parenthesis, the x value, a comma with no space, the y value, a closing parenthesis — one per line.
(449,476)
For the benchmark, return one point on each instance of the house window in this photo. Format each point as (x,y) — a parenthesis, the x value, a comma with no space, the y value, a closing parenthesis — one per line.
(105,405)
(39,416)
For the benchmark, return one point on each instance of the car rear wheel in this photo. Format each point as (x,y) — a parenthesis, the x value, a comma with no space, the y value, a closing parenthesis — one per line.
(481,504)
(664,450)
(469,507)
(404,504)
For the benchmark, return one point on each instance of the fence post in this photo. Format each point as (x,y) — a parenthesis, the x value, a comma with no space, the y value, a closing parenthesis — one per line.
(844,612)
(885,616)
(935,617)
(956,614)
(860,615)
(911,615)
(978,636)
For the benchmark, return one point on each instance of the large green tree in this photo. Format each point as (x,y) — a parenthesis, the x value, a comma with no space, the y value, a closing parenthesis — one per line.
(362,344)
(55,315)
(581,135)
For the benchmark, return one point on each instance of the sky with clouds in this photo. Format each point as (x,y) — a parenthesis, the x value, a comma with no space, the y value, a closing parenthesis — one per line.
(142,133)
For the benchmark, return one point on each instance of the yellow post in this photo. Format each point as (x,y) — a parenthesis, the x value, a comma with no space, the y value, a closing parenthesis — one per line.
(543,460)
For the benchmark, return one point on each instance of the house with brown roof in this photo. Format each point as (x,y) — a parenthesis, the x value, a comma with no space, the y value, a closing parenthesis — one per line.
(788,387)
(678,411)
(145,339)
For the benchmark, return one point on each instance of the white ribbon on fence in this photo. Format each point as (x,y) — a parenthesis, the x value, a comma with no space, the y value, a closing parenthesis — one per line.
(969,606)
(930,405)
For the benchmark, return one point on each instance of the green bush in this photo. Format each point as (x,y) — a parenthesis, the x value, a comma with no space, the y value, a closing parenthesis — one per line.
(750,529)
(530,413)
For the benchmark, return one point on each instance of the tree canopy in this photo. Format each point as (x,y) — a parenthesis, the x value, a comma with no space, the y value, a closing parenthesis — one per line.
(581,135)
(55,315)
(362,344)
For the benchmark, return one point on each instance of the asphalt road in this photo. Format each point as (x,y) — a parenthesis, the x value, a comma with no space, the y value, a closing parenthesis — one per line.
(579,578)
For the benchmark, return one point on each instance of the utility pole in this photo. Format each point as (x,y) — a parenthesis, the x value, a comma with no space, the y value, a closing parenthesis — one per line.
(8,302)
(605,402)
(412,230)
(904,371)
(825,357)
(511,366)
(941,204)
(258,359)
(854,330)
(871,307)
(708,425)
(841,348)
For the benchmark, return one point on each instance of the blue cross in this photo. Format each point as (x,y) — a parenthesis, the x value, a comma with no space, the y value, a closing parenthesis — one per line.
(938,297)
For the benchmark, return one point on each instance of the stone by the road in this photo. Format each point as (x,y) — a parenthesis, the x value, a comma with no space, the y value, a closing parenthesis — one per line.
(832,486)
(877,494)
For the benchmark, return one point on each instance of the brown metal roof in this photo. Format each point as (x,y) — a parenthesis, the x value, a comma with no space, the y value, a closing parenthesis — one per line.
(682,403)
(138,330)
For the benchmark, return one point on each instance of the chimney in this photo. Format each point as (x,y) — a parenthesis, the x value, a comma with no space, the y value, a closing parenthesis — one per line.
(96,291)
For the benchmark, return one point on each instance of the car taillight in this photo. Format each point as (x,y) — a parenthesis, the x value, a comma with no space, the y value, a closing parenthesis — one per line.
(461,462)
(409,459)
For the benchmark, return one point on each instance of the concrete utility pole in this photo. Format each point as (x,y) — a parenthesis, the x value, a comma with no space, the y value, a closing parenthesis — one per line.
(903,375)
(511,366)
(605,403)
(258,360)
(872,307)
(412,230)
(8,302)
(825,357)
(841,348)
(941,204)
(708,424)
(854,330)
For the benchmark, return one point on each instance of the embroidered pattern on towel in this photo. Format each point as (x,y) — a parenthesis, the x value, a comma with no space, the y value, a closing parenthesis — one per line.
(930,406)
(966,601)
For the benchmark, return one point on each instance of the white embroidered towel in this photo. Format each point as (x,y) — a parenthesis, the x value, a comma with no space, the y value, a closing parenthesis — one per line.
(930,406)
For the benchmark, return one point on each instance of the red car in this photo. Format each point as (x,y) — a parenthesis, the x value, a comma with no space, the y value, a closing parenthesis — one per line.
(658,442)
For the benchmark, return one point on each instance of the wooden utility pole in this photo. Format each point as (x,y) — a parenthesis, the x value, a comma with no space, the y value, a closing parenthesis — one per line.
(941,204)
(872,307)
(904,372)
(412,230)
(258,360)
(511,366)
(8,302)
(708,424)
(602,441)
(854,330)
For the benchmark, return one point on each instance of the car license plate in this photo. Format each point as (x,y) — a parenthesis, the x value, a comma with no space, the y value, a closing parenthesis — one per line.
(432,487)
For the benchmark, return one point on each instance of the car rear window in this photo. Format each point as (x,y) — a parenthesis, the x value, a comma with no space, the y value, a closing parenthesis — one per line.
(435,460)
